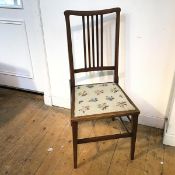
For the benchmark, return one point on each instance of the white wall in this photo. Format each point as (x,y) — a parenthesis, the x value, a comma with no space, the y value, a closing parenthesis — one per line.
(147,46)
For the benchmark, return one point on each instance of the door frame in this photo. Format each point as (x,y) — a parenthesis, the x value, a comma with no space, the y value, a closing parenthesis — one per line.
(47,84)
(46,89)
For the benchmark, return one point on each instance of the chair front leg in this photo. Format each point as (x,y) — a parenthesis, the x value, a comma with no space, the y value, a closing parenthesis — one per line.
(74,136)
(134,133)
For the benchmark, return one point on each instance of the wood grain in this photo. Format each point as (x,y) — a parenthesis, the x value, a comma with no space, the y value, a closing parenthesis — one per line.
(28,128)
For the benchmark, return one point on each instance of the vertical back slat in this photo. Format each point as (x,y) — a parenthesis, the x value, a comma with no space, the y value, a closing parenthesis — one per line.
(93,54)
(97,41)
(84,42)
(102,40)
(117,46)
(89,44)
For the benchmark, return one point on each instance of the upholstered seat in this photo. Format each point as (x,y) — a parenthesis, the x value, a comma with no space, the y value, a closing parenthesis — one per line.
(100,98)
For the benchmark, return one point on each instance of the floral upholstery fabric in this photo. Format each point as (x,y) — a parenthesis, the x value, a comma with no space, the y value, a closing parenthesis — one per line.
(100,98)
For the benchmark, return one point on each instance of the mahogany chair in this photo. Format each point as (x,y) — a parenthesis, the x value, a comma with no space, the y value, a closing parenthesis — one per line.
(100,100)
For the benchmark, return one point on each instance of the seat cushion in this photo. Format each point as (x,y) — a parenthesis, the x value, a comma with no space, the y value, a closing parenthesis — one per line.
(100,98)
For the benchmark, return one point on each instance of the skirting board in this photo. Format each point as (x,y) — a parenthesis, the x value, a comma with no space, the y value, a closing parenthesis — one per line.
(152,121)
(168,139)
(47,100)
(61,102)
(144,120)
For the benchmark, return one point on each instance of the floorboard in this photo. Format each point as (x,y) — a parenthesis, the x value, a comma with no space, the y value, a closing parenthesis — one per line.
(28,129)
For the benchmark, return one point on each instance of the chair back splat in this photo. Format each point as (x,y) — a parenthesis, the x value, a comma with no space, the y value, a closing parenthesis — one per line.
(93,41)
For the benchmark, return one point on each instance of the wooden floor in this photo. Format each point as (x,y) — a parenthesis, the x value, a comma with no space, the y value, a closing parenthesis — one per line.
(28,129)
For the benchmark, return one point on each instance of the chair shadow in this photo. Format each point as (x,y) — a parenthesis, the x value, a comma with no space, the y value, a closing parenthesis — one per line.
(96,155)
(125,147)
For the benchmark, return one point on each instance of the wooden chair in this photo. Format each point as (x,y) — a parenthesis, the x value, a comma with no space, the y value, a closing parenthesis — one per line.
(100,100)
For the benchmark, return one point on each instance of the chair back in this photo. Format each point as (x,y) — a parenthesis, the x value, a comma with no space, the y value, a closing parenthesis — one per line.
(93,44)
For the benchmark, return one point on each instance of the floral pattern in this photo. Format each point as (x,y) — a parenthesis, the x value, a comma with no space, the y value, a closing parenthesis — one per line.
(103,106)
(100,98)
(93,100)
(81,101)
(98,92)
(84,109)
(110,98)
(121,104)
(82,93)
(114,89)
(120,96)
